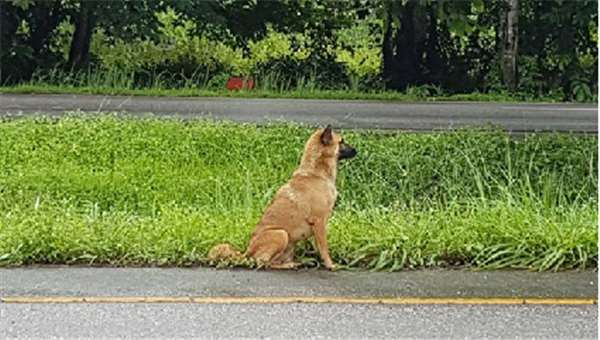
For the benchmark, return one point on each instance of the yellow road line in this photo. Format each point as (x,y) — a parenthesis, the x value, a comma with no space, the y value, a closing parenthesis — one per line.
(302,299)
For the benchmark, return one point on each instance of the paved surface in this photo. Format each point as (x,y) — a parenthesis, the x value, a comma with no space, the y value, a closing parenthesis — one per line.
(343,114)
(292,320)
(68,281)
(296,321)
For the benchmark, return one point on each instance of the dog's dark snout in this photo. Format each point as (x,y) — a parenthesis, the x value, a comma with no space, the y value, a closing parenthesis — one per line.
(353,152)
(346,151)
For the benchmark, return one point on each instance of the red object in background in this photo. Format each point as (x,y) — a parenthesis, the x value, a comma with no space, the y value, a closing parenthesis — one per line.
(238,83)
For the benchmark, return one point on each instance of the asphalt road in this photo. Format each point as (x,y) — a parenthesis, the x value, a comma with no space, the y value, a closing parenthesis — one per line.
(295,321)
(73,281)
(123,317)
(353,114)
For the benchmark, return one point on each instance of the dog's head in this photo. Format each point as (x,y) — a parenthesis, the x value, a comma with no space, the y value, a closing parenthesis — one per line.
(333,145)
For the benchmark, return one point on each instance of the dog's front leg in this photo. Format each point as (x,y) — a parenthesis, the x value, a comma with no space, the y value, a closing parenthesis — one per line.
(320,232)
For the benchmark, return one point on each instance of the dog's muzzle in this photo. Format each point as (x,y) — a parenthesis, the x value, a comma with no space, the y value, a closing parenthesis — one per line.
(346,151)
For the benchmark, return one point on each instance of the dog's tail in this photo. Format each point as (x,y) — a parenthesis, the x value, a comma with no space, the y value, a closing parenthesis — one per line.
(225,252)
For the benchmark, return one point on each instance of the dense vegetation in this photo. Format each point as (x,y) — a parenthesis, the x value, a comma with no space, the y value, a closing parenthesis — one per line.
(122,192)
(536,48)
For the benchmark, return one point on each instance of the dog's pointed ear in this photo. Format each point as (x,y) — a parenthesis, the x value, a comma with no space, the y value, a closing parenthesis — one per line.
(327,135)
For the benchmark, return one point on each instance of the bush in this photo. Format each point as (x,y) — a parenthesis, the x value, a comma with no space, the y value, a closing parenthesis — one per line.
(275,57)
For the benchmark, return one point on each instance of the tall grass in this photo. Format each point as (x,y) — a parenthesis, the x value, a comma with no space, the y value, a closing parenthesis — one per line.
(163,191)
(198,83)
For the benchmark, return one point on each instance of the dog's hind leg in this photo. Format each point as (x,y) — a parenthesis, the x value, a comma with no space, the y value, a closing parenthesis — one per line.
(268,246)
(286,259)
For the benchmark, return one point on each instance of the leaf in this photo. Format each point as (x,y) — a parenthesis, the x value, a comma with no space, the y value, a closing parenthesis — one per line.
(478,6)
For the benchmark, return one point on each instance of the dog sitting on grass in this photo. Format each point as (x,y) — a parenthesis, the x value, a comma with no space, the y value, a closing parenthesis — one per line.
(300,209)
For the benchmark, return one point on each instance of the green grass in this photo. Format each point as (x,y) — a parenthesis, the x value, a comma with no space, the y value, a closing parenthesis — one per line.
(261,93)
(118,82)
(268,85)
(107,190)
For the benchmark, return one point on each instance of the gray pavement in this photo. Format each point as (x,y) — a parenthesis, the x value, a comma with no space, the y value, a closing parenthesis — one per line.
(74,281)
(295,321)
(292,320)
(514,117)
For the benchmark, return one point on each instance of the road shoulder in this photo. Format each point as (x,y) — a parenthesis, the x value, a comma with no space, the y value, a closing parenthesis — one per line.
(205,284)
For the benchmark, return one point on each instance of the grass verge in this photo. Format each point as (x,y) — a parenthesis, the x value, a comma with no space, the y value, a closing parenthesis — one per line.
(107,190)
(410,96)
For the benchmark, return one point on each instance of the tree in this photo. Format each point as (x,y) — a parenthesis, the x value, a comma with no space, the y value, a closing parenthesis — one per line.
(24,52)
(406,28)
(536,46)
(412,53)
(87,15)
(85,21)
(510,44)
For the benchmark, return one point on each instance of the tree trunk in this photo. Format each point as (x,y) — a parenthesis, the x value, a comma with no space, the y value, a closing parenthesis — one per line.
(400,57)
(510,39)
(79,54)
(407,65)
(388,47)
(433,59)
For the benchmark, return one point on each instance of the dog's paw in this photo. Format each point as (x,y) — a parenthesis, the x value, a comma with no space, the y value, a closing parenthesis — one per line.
(330,266)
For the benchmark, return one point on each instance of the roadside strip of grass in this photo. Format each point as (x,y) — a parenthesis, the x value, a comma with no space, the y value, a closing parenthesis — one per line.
(497,236)
(117,191)
(259,93)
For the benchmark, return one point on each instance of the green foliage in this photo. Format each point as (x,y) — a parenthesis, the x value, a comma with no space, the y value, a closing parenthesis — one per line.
(62,39)
(178,45)
(581,92)
(23,4)
(559,40)
(118,191)
(425,91)
(275,45)
(359,48)
(120,83)
(330,44)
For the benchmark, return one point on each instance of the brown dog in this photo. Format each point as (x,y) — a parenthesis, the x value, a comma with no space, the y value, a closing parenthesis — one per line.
(300,208)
